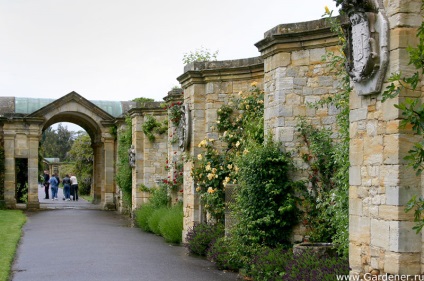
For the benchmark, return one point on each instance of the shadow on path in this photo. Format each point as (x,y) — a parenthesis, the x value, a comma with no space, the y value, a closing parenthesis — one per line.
(79,245)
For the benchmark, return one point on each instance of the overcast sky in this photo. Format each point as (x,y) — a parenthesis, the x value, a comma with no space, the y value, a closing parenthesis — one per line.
(124,49)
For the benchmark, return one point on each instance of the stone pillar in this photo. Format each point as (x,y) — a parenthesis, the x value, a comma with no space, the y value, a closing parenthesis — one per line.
(294,76)
(138,196)
(9,175)
(381,183)
(98,173)
(109,173)
(33,176)
(207,86)
(175,153)
(194,97)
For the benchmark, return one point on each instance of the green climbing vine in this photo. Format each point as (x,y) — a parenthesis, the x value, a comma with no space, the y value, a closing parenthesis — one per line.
(152,127)
(327,201)
(124,171)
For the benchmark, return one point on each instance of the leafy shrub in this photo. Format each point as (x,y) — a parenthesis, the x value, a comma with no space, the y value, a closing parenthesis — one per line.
(200,236)
(84,186)
(269,263)
(222,254)
(142,216)
(171,224)
(281,264)
(159,197)
(265,205)
(311,267)
(155,218)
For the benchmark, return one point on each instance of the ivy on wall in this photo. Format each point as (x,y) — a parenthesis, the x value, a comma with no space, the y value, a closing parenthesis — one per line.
(152,127)
(2,170)
(124,170)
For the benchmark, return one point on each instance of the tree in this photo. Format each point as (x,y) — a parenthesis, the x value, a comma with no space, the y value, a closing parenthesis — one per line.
(56,143)
(202,54)
(81,153)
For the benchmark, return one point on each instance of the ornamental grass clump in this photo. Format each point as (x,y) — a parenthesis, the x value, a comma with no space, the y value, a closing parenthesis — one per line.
(155,218)
(142,216)
(200,237)
(171,224)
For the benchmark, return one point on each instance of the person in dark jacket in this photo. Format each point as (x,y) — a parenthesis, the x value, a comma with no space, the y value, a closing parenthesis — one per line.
(46,184)
(67,187)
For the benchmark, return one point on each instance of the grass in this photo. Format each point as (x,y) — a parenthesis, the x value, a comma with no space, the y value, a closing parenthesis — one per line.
(171,225)
(11,222)
(88,198)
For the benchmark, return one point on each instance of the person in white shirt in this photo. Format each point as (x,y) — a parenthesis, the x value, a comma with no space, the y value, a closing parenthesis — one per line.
(74,187)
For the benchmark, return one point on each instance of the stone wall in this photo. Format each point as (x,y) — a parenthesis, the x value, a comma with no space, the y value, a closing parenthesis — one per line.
(295,76)
(150,156)
(381,234)
(207,86)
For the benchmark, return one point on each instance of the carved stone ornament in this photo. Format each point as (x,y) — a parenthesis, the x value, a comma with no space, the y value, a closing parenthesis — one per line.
(367,48)
(184,128)
(131,156)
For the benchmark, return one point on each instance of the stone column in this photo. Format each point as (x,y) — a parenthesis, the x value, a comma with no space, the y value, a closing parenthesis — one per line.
(381,182)
(109,173)
(194,97)
(138,197)
(174,151)
(98,173)
(33,176)
(10,172)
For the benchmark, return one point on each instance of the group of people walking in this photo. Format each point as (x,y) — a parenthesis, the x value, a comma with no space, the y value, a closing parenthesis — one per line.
(70,186)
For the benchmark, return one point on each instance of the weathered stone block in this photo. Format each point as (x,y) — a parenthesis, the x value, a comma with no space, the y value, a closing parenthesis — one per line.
(373,150)
(300,57)
(359,229)
(399,196)
(286,134)
(405,19)
(403,238)
(402,37)
(356,152)
(402,263)
(315,55)
(380,233)
(358,114)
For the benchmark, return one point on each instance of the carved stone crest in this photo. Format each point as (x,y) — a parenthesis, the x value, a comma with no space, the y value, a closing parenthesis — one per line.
(367,47)
(184,128)
(131,156)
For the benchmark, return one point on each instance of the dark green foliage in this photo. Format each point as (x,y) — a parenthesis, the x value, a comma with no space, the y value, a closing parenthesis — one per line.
(265,205)
(171,224)
(151,127)
(281,264)
(221,253)
(124,170)
(269,264)
(159,196)
(2,169)
(143,100)
(142,216)
(200,237)
(56,143)
(155,219)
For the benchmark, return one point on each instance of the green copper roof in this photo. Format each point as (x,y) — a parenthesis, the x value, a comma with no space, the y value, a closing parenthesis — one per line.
(30,105)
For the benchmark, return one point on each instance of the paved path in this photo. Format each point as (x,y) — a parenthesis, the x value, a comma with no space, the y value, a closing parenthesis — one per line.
(61,204)
(75,244)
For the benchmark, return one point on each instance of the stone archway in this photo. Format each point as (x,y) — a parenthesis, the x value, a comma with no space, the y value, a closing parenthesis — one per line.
(21,134)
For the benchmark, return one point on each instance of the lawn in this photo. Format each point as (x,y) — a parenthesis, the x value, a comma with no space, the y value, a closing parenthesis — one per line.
(11,222)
